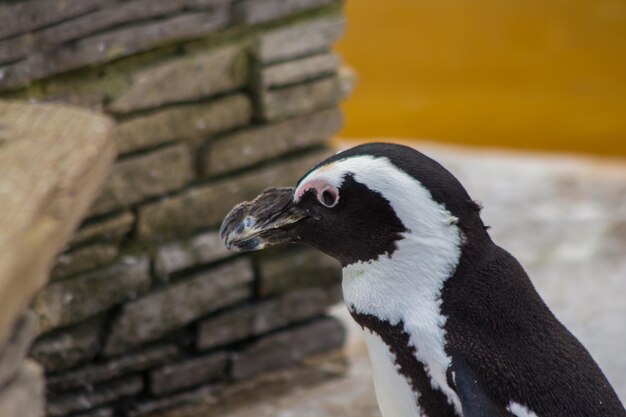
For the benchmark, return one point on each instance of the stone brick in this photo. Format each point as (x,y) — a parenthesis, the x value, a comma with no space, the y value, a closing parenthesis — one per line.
(99,412)
(258,11)
(180,303)
(135,179)
(189,373)
(185,79)
(262,317)
(300,39)
(84,399)
(25,16)
(14,351)
(70,346)
(206,206)
(104,47)
(204,394)
(84,25)
(300,99)
(287,348)
(112,229)
(83,259)
(201,249)
(24,396)
(283,271)
(70,301)
(297,71)
(185,122)
(113,368)
(254,145)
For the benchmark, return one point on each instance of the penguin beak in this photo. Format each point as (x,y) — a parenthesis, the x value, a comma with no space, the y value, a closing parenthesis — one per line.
(266,221)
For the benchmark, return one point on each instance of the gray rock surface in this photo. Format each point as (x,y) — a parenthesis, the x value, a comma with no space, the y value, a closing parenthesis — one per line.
(83,259)
(112,229)
(111,369)
(172,307)
(203,395)
(22,17)
(103,47)
(24,396)
(14,351)
(286,348)
(84,399)
(251,146)
(189,78)
(70,301)
(282,271)
(198,250)
(300,39)
(135,179)
(188,122)
(258,11)
(277,104)
(299,70)
(87,24)
(189,373)
(70,346)
(206,206)
(262,317)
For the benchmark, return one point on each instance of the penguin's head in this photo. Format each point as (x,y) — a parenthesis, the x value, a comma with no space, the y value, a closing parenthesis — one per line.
(358,205)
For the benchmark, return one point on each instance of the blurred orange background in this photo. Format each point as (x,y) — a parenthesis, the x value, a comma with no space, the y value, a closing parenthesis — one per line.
(540,74)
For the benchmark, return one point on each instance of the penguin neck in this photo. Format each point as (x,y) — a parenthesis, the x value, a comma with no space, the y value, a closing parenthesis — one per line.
(404,290)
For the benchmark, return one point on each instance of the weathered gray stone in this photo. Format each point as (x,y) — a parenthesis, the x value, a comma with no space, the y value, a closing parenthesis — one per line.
(287,348)
(112,229)
(14,351)
(83,259)
(300,99)
(201,249)
(303,69)
(82,26)
(71,346)
(187,122)
(264,316)
(99,372)
(257,11)
(180,303)
(185,79)
(104,47)
(84,399)
(100,412)
(135,179)
(24,396)
(206,206)
(205,394)
(300,39)
(25,16)
(253,145)
(70,301)
(282,272)
(189,373)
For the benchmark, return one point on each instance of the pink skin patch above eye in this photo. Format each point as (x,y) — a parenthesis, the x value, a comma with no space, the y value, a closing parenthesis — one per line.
(319,186)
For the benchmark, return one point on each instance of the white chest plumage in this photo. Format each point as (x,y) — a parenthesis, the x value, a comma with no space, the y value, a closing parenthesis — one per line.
(395,396)
(404,286)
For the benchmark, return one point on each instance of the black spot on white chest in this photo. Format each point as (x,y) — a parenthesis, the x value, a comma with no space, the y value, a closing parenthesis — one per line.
(428,400)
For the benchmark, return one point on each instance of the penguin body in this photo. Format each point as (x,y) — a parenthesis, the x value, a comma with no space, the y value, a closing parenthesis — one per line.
(453,325)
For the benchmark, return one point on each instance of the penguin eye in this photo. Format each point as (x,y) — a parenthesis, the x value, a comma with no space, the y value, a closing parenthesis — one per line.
(329,196)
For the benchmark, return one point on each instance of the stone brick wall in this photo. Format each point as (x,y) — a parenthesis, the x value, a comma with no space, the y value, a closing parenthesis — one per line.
(215,101)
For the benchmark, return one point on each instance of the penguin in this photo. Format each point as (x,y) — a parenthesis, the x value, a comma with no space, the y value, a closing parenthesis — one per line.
(453,324)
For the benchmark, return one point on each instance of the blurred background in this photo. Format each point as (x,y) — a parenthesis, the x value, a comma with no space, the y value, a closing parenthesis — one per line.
(546,75)
(129,129)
